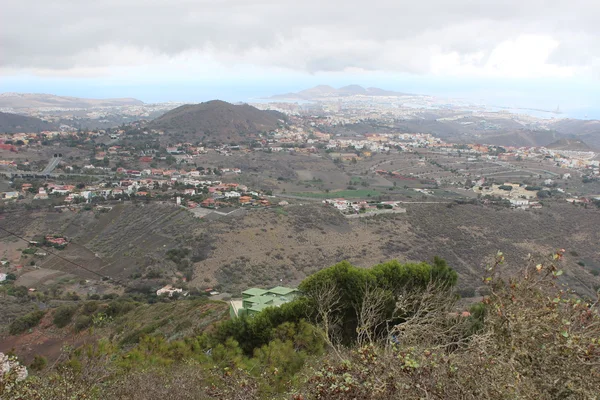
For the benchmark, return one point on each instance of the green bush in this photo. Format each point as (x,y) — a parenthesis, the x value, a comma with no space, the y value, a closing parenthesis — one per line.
(89,307)
(581,263)
(82,322)
(18,291)
(117,308)
(25,322)
(38,363)
(63,316)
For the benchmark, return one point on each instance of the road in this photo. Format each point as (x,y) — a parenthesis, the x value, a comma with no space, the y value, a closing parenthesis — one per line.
(52,164)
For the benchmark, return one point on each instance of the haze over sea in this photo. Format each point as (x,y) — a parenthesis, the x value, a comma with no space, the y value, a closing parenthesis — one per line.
(574,99)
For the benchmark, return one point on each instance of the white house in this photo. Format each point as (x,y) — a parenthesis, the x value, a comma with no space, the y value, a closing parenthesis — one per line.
(519,202)
(169,290)
(2,277)
(232,194)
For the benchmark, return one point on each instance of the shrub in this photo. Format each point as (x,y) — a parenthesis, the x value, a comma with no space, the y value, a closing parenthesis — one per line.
(18,291)
(89,307)
(119,307)
(82,322)
(63,316)
(38,363)
(25,322)
(581,263)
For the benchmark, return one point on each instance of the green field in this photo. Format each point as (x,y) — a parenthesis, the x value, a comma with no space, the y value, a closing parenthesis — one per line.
(348,194)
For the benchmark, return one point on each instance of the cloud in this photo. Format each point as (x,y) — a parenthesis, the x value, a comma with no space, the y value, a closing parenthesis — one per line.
(508,38)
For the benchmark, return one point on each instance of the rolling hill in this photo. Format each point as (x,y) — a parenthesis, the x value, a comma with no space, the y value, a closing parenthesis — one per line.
(569,144)
(218,121)
(14,123)
(40,100)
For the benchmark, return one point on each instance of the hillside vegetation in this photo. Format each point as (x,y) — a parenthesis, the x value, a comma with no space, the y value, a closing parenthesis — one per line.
(147,245)
(394,331)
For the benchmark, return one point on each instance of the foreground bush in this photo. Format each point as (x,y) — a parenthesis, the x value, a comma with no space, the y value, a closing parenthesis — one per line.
(26,322)
(528,339)
(537,341)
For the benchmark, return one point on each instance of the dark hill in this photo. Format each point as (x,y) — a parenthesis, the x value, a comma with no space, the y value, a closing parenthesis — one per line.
(589,131)
(218,121)
(14,123)
(570,144)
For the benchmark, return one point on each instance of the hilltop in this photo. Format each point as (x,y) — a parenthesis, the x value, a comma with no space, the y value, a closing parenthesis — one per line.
(588,131)
(324,91)
(14,123)
(569,144)
(218,121)
(39,100)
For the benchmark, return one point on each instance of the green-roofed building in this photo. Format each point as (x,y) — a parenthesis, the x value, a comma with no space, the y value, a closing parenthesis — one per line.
(253,292)
(281,291)
(250,301)
(255,300)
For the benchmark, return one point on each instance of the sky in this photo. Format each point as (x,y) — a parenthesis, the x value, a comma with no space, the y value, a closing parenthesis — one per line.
(518,53)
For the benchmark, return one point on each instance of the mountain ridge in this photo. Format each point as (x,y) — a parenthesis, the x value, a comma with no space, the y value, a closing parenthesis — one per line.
(324,91)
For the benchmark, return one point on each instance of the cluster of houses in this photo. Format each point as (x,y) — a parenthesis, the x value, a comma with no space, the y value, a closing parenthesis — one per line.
(186,148)
(361,206)
(518,195)
(381,142)
(224,195)
(187,192)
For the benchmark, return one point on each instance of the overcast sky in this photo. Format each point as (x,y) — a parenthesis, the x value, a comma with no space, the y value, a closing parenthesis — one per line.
(178,49)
